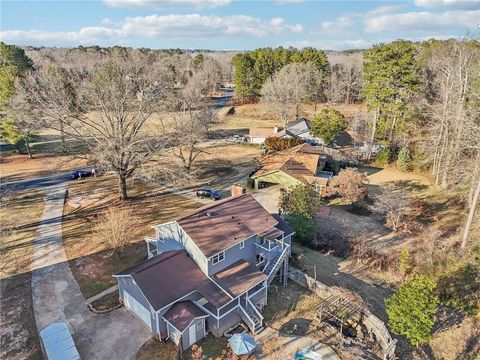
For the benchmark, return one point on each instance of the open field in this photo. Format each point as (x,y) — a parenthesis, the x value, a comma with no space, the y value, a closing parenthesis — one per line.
(258,115)
(20,214)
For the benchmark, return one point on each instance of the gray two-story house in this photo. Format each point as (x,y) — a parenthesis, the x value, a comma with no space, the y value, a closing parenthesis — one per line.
(208,271)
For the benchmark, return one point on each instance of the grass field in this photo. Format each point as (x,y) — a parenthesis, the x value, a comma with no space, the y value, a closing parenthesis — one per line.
(20,214)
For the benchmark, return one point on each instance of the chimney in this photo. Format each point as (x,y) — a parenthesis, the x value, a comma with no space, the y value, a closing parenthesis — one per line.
(275,129)
(238,190)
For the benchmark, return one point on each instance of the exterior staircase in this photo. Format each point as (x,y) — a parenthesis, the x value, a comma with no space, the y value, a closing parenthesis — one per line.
(257,320)
(274,264)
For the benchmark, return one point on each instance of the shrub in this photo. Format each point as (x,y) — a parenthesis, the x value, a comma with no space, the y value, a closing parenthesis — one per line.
(304,227)
(279,144)
(383,157)
(405,262)
(302,200)
(328,123)
(115,228)
(301,204)
(411,310)
(403,159)
(350,185)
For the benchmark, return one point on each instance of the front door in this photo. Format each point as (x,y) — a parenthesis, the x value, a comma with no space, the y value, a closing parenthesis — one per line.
(192,334)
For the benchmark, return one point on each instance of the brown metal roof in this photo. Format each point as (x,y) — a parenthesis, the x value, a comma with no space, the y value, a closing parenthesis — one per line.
(239,277)
(216,227)
(167,277)
(182,314)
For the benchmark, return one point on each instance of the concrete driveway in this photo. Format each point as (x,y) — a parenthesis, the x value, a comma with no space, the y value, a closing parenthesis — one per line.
(57,296)
(289,345)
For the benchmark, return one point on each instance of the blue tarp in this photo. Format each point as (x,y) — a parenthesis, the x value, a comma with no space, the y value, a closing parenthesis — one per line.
(242,344)
(57,342)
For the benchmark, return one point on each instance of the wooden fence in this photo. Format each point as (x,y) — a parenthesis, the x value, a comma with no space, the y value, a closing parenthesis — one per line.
(372,323)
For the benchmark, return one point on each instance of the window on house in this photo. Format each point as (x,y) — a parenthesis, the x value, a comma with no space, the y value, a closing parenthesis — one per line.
(260,240)
(218,257)
(160,236)
(260,259)
(242,244)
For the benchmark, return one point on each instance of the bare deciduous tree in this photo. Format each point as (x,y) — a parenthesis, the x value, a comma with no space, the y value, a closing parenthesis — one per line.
(115,228)
(287,89)
(345,83)
(196,116)
(105,106)
(393,204)
(455,121)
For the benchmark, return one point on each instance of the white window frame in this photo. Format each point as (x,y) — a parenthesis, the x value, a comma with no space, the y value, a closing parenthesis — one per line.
(261,262)
(160,236)
(217,258)
(242,244)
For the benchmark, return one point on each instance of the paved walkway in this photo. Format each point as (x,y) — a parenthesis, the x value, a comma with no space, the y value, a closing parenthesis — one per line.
(57,296)
(289,345)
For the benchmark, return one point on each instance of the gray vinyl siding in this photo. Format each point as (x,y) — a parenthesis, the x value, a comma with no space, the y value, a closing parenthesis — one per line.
(162,324)
(224,323)
(173,232)
(177,337)
(235,254)
(126,284)
(200,333)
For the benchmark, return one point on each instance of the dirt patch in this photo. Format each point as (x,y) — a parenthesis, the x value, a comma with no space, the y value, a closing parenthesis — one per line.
(296,327)
(211,346)
(157,350)
(303,319)
(458,342)
(106,302)
(282,300)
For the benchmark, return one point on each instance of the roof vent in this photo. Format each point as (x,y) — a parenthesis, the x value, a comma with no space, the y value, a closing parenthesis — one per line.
(209,214)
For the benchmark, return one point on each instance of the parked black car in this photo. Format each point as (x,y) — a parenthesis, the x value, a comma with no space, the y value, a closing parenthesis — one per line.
(208,193)
(79,174)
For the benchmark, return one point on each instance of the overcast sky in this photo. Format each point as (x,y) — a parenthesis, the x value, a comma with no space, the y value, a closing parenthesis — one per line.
(233,24)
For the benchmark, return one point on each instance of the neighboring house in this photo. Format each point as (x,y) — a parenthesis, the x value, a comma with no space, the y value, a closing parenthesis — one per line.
(301,128)
(300,164)
(259,134)
(208,271)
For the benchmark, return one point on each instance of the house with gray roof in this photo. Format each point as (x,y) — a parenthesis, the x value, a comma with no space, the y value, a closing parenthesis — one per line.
(208,271)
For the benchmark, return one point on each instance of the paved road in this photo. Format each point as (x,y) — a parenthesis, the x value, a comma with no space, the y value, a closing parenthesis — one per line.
(57,296)
(40,182)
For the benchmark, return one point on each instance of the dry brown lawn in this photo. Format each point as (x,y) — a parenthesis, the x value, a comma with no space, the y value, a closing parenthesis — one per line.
(92,263)
(14,167)
(259,115)
(19,218)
